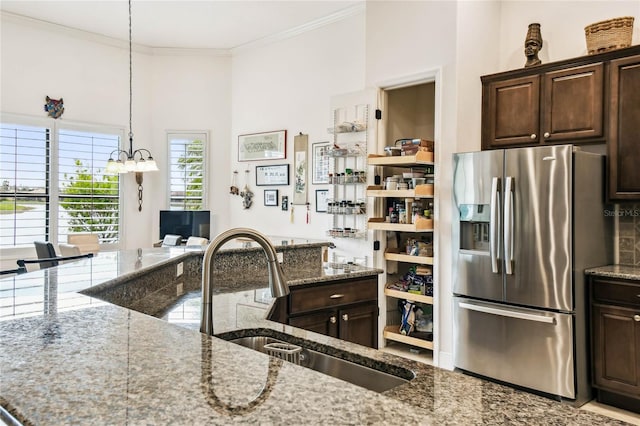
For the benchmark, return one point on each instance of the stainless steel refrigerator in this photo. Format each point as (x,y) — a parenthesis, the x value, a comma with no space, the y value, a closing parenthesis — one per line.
(529,221)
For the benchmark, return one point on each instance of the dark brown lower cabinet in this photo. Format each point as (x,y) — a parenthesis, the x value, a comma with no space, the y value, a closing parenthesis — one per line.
(346,309)
(615,333)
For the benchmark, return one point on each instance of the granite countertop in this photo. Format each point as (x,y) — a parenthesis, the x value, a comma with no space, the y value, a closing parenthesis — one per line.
(626,272)
(73,359)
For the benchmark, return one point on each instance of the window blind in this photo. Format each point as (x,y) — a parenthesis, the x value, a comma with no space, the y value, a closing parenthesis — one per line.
(187,185)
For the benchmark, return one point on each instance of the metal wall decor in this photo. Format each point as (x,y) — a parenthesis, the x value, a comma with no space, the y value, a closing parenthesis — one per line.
(54,107)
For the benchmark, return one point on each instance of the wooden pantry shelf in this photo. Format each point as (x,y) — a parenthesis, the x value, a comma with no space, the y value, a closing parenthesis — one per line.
(419,158)
(421,225)
(409,296)
(390,332)
(401,257)
(421,191)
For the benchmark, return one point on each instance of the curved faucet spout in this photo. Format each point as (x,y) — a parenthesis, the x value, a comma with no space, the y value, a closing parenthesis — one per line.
(277,281)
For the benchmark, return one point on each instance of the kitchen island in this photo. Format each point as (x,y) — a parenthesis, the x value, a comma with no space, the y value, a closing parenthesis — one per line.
(69,358)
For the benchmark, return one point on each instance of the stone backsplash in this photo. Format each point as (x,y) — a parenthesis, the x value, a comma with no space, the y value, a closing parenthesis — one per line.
(628,234)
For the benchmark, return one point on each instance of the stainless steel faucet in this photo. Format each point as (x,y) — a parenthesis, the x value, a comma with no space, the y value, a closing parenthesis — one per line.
(277,281)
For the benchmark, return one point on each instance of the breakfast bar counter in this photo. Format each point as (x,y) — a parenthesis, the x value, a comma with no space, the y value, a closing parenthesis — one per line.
(70,358)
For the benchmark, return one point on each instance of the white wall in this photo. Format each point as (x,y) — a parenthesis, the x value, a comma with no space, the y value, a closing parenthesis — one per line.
(561,24)
(172,90)
(93,80)
(192,91)
(288,85)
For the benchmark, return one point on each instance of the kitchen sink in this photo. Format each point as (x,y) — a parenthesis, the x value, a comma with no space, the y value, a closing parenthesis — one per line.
(360,375)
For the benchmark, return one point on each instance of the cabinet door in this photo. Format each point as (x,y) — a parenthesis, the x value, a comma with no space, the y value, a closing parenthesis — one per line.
(616,349)
(572,105)
(324,322)
(624,128)
(359,325)
(510,112)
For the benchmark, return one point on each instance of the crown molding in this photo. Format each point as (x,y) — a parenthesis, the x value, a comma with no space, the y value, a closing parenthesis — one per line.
(354,10)
(182,51)
(73,32)
(171,51)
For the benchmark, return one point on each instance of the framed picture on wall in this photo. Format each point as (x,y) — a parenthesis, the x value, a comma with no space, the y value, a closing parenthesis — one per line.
(263,146)
(320,158)
(321,200)
(272,175)
(270,197)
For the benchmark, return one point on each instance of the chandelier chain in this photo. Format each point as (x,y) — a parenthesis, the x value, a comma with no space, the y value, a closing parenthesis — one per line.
(130,75)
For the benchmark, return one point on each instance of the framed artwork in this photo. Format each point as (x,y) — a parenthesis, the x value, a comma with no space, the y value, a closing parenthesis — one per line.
(285,203)
(321,200)
(272,175)
(300,147)
(320,158)
(270,197)
(263,146)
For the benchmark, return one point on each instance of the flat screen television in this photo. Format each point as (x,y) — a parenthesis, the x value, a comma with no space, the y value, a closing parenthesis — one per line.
(187,223)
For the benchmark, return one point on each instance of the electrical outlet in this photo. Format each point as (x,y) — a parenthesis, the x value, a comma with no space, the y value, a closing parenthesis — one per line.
(179,269)
(280,256)
(179,289)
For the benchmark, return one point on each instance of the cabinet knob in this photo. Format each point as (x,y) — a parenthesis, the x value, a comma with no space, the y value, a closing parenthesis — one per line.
(332,320)
(546,135)
(345,317)
(636,317)
(533,136)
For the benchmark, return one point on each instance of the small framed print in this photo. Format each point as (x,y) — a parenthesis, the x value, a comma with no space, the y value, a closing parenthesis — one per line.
(270,197)
(321,200)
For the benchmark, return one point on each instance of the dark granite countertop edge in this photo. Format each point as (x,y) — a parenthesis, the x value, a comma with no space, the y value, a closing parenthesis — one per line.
(627,272)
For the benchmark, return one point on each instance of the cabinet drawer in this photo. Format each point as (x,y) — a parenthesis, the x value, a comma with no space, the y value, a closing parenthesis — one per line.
(330,295)
(614,291)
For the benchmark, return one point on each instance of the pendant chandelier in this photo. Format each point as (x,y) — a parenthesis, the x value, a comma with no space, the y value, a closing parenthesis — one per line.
(139,160)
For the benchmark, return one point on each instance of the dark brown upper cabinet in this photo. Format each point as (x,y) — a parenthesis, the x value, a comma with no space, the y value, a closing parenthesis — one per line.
(594,98)
(556,106)
(623,159)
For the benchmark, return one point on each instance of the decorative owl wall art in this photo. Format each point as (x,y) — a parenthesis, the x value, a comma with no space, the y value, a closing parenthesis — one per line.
(54,107)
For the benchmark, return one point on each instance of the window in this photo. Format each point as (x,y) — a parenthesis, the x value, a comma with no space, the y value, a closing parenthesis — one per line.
(88,199)
(52,183)
(187,187)
(25,186)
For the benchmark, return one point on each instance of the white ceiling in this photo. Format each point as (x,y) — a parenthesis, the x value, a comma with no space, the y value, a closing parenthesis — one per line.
(211,24)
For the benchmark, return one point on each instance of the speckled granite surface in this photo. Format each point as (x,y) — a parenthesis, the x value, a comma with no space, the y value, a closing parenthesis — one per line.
(626,272)
(73,359)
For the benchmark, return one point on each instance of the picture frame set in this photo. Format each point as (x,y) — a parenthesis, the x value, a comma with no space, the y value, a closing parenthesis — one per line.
(272,146)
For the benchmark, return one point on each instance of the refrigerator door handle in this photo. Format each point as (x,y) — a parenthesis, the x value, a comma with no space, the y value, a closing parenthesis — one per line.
(508,226)
(507,313)
(494,225)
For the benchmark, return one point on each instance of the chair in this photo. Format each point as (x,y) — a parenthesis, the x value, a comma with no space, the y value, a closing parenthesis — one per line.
(47,257)
(197,241)
(69,249)
(171,240)
(86,243)
(45,250)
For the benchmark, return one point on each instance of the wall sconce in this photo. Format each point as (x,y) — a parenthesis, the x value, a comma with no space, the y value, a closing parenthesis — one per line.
(126,161)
